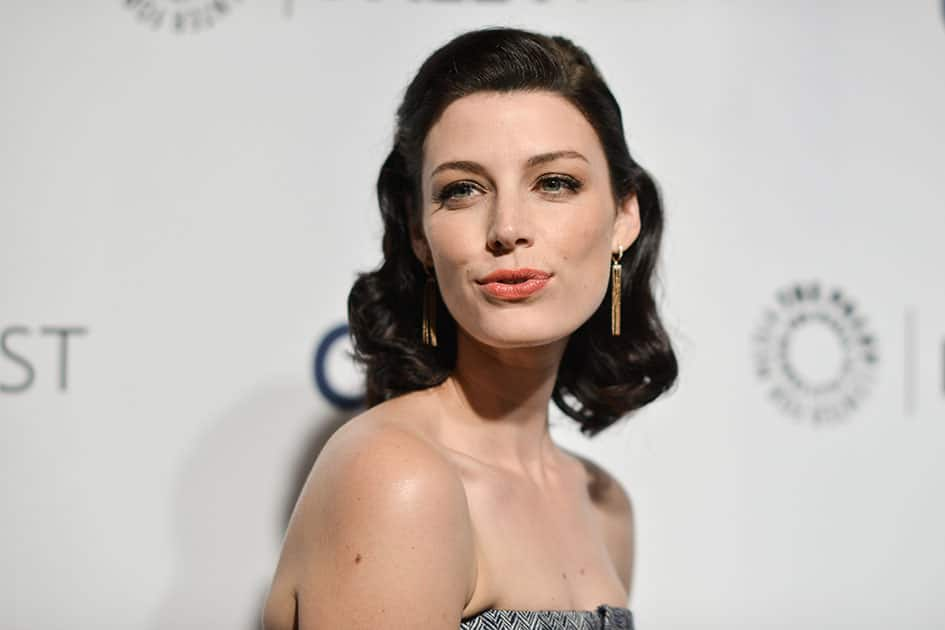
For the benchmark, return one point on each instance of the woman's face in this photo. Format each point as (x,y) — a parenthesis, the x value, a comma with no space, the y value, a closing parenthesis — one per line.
(515,181)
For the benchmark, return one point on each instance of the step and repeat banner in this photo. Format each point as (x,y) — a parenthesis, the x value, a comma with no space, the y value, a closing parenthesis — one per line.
(187,193)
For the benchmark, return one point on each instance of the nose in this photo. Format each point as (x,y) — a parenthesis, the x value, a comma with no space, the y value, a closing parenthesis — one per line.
(509,225)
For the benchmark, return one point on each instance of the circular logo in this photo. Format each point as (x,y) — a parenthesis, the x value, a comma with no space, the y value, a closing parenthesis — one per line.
(330,358)
(180,16)
(815,353)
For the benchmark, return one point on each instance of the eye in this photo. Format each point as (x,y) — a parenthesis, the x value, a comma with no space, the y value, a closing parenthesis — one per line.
(558,184)
(457,190)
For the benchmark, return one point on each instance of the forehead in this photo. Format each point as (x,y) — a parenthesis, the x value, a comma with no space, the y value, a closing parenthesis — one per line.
(496,126)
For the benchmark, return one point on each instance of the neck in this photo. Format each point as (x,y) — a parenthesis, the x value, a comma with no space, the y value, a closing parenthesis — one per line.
(498,399)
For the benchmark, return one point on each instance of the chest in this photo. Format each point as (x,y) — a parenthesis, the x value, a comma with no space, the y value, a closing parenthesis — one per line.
(539,548)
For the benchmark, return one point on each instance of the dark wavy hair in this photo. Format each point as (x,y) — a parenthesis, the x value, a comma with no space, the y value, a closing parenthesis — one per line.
(601,377)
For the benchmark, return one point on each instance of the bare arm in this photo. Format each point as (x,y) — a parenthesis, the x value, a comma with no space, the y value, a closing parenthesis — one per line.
(381,537)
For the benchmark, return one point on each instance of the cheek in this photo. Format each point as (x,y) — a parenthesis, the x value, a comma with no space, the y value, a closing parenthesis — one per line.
(581,241)
(583,250)
(452,245)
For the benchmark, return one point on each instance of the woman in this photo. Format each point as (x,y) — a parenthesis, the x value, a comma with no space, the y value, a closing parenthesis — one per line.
(511,209)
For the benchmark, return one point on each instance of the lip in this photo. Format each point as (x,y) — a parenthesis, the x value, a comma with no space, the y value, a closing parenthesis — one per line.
(514,275)
(514,284)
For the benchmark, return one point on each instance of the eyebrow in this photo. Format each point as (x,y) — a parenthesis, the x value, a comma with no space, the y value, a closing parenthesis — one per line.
(535,160)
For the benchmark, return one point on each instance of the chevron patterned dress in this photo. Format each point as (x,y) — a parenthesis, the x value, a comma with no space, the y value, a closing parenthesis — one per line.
(605,617)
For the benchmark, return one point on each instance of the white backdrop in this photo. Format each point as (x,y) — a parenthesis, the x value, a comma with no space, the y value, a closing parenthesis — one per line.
(185,202)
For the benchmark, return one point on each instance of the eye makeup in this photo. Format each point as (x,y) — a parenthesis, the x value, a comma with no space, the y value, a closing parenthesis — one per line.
(566,185)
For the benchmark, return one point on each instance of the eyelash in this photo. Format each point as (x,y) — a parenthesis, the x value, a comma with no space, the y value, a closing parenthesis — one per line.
(446,193)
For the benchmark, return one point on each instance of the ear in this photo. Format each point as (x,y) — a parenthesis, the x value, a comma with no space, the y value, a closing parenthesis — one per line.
(626,223)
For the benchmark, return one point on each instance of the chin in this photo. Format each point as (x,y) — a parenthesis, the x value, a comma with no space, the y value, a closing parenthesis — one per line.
(521,342)
(520,334)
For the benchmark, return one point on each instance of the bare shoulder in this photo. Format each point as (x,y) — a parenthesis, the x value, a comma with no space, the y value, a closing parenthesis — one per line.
(616,516)
(382,521)
(604,488)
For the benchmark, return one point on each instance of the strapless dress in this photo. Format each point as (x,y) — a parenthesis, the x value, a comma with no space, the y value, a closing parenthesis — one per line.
(604,617)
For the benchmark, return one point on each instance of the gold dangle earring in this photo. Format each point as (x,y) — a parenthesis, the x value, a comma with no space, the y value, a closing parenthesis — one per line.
(429,309)
(615,292)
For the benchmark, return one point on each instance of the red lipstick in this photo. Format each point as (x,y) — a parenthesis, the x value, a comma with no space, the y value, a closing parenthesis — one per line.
(514,284)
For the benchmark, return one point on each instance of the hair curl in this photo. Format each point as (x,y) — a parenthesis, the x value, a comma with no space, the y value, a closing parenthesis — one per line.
(601,377)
